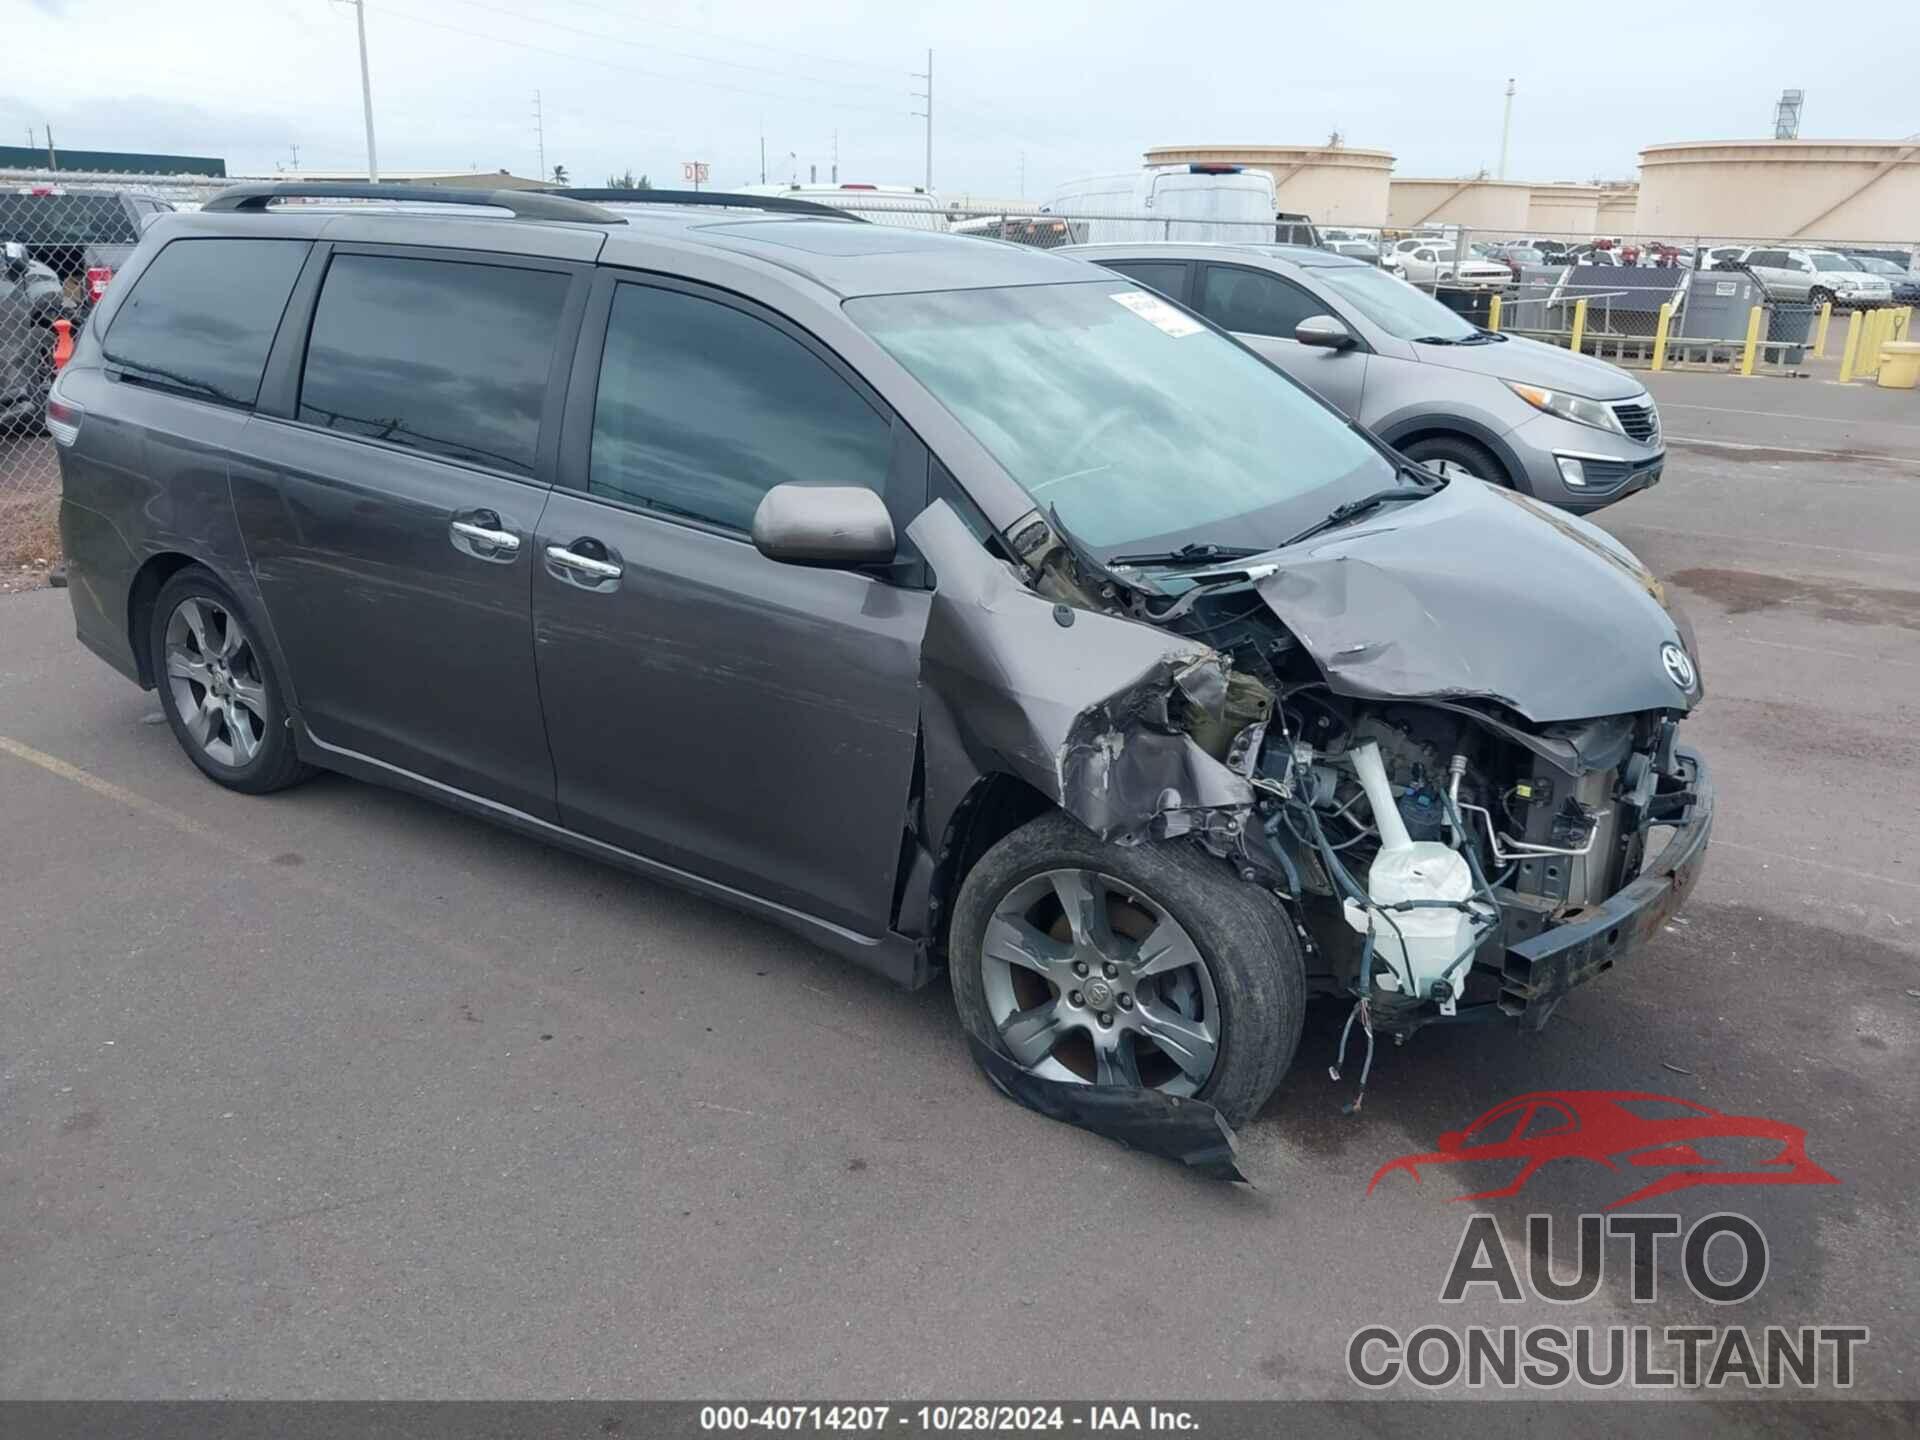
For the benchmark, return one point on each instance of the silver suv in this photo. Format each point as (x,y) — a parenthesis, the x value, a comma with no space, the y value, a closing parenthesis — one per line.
(1573,431)
(1819,277)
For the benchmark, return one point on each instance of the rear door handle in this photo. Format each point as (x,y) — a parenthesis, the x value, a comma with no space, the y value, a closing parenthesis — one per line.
(582,564)
(504,540)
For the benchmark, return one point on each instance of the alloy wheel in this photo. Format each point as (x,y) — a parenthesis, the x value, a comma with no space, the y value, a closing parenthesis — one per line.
(215,678)
(1089,980)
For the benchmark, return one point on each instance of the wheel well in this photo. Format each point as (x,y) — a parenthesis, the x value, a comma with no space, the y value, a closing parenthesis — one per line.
(994,808)
(146,588)
(1441,432)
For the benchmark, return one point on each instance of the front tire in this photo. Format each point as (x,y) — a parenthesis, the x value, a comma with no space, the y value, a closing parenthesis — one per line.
(1150,965)
(218,687)
(1455,455)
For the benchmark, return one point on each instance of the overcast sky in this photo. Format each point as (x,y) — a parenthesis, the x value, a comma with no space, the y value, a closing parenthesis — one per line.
(648,84)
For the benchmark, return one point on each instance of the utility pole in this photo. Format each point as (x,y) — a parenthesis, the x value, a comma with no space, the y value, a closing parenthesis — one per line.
(540,135)
(1506,129)
(763,149)
(834,174)
(294,146)
(53,161)
(1023,174)
(926,114)
(366,88)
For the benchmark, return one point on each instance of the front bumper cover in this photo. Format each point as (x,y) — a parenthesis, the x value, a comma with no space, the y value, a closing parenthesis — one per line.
(1537,972)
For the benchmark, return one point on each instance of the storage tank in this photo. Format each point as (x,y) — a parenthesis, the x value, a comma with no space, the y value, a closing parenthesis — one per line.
(1843,190)
(1618,210)
(1329,184)
(1487,207)
(1562,210)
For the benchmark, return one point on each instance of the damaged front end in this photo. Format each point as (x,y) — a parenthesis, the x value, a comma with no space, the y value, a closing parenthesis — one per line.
(1446,742)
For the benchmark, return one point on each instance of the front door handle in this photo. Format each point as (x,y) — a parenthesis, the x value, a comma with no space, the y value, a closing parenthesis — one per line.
(582,564)
(504,541)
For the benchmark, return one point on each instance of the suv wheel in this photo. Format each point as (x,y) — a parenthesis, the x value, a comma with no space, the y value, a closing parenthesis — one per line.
(1146,965)
(1817,297)
(218,688)
(1455,455)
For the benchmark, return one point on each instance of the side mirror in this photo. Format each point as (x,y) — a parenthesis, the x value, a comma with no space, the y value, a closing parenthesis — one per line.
(15,263)
(843,526)
(1324,331)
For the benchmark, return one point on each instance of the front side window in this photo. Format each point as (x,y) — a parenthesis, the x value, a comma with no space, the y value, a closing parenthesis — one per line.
(202,317)
(435,355)
(703,408)
(1253,302)
(1166,276)
(1138,424)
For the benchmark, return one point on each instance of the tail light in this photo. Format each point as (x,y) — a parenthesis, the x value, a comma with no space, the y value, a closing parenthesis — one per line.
(98,277)
(63,419)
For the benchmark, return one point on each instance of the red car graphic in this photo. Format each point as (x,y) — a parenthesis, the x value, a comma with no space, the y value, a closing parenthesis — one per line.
(1618,1128)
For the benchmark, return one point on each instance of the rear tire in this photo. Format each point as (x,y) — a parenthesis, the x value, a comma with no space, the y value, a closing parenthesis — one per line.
(218,687)
(1455,454)
(1196,952)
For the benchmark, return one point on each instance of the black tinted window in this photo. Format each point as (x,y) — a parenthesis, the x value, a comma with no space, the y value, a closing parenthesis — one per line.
(1164,276)
(66,219)
(1776,258)
(702,409)
(1254,303)
(435,355)
(202,316)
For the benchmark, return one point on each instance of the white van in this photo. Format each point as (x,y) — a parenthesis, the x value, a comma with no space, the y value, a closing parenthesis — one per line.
(904,205)
(1220,203)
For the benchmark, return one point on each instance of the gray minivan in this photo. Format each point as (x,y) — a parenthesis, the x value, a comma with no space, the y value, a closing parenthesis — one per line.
(903,589)
(1573,431)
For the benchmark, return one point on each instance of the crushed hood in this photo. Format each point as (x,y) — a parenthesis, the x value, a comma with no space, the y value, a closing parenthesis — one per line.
(1480,593)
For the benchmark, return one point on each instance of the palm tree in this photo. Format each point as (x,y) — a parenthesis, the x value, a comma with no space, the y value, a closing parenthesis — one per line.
(559,174)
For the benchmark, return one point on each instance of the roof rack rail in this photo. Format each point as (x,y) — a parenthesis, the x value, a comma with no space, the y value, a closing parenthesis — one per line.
(725,199)
(522,204)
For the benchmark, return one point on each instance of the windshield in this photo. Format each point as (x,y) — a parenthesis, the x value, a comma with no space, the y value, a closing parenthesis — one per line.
(1833,262)
(1142,426)
(1395,306)
(1874,265)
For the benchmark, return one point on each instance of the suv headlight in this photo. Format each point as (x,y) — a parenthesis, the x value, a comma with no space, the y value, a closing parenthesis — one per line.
(1576,408)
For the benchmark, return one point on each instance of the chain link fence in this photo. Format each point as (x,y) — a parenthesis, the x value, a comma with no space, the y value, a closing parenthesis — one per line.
(68,234)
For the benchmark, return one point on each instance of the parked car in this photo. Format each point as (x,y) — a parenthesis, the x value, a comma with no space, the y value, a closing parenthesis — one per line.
(31,299)
(593,527)
(1291,229)
(1355,250)
(1431,264)
(1516,256)
(1815,277)
(1902,282)
(1568,429)
(1724,257)
(1046,232)
(83,236)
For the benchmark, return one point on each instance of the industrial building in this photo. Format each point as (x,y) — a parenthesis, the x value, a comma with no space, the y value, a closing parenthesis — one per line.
(1861,190)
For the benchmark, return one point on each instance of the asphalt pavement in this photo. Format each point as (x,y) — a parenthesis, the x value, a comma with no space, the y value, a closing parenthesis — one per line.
(336,1093)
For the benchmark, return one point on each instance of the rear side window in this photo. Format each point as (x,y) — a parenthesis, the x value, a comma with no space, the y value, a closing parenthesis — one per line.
(702,409)
(1168,278)
(1252,302)
(435,355)
(202,316)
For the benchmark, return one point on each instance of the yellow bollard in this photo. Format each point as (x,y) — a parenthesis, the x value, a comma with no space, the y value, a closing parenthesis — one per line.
(1820,334)
(1660,336)
(1753,339)
(1850,352)
(1867,363)
(1493,314)
(1902,320)
(1579,323)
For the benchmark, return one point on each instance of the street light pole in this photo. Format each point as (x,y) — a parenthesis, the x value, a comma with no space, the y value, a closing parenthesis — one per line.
(927,114)
(366,89)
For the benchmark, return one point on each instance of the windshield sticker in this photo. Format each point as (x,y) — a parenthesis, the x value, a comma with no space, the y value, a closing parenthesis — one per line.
(1158,312)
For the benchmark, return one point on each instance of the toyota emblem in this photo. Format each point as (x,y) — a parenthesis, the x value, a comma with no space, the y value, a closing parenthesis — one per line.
(1679,668)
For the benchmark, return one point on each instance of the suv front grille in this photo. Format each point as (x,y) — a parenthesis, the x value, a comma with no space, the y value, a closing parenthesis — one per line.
(1641,422)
